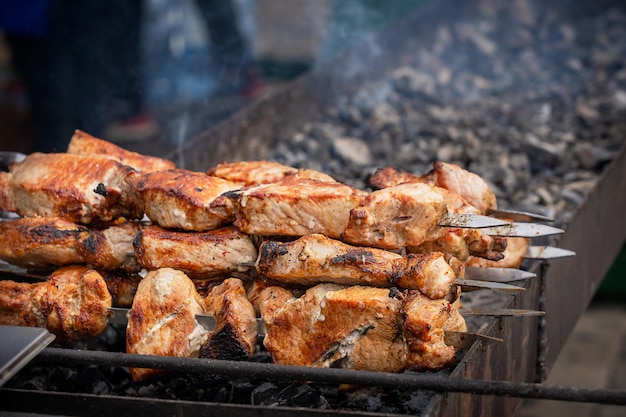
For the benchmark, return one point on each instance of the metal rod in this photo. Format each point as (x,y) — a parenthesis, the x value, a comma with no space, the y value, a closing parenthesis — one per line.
(407,380)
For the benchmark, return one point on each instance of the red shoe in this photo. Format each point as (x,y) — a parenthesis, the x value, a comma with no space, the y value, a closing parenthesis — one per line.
(136,129)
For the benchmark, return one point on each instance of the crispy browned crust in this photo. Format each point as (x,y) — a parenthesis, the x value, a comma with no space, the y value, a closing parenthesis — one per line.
(512,256)
(80,188)
(40,242)
(72,304)
(358,328)
(85,144)
(18,306)
(263,172)
(6,199)
(198,254)
(314,259)
(296,207)
(122,286)
(183,199)
(424,331)
(235,335)
(76,303)
(388,177)
(162,319)
(464,243)
(111,248)
(395,217)
(354,328)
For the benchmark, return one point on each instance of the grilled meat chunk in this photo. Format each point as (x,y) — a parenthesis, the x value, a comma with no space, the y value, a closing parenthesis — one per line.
(356,327)
(122,286)
(314,259)
(263,172)
(468,185)
(512,256)
(424,326)
(72,303)
(162,319)
(463,243)
(457,242)
(235,334)
(40,242)
(389,177)
(111,248)
(84,144)
(199,254)
(182,199)
(395,217)
(79,188)
(296,207)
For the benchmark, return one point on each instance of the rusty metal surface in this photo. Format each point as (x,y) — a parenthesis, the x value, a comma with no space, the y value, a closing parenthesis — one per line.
(596,234)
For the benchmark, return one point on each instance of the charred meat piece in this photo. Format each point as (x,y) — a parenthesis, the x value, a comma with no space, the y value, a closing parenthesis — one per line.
(463,243)
(111,248)
(296,207)
(263,172)
(314,259)
(235,334)
(72,303)
(424,326)
(355,327)
(85,144)
(199,254)
(162,320)
(79,188)
(512,256)
(395,217)
(40,242)
(182,199)
(122,286)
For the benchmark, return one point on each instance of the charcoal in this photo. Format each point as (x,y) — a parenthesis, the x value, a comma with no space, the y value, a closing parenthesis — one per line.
(93,381)
(264,394)
(522,94)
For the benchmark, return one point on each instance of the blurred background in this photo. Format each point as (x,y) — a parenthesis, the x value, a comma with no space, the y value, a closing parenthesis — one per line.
(148,75)
(133,71)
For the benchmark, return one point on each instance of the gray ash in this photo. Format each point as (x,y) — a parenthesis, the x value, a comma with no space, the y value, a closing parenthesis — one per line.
(531,99)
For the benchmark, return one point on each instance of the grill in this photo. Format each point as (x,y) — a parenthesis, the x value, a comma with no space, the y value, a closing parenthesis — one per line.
(488,379)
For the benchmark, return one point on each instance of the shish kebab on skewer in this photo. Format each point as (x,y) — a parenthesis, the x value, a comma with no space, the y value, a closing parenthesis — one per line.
(104,190)
(159,193)
(101,189)
(43,243)
(165,318)
(176,175)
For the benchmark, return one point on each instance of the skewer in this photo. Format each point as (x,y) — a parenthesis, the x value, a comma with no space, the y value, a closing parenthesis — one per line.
(522,230)
(470,221)
(460,340)
(503,275)
(547,252)
(472,285)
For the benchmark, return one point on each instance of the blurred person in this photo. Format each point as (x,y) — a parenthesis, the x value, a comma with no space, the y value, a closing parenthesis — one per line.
(79,60)
(237,70)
